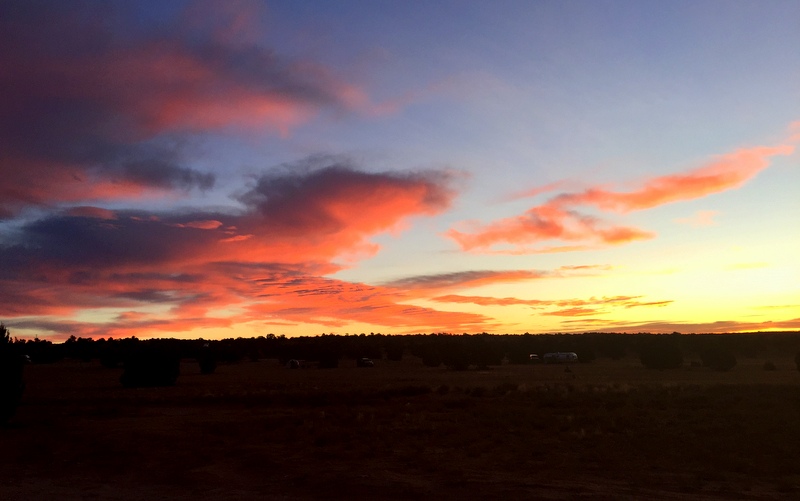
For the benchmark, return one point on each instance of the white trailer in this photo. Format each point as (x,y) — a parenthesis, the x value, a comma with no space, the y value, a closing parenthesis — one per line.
(560,357)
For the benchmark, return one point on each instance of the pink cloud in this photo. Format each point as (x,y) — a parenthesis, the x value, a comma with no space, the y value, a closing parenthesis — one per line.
(700,218)
(208,224)
(546,222)
(91,114)
(725,173)
(558,220)
(264,264)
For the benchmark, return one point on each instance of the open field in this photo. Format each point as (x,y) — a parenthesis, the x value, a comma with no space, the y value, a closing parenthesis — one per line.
(255,430)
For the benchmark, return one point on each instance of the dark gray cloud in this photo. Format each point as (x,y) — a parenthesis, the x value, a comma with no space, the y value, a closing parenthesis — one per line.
(325,194)
(462,279)
(91,102)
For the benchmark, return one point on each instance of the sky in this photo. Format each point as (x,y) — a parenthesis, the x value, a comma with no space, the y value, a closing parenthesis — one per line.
(202,169)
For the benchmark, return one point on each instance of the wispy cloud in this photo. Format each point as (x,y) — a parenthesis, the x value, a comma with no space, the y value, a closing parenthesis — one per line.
(717,327)
(460,280)
(700,218)
(558,307)
(558,219)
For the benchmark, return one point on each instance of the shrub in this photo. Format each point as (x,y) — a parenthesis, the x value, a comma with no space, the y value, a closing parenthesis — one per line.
(456,358)
(586,356)
(394,353)
(661,354)
(12,383)
(149,366)
(431,358)
(719,359)
(328,361)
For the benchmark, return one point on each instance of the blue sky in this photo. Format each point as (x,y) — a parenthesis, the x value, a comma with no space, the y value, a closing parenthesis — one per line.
(187,169)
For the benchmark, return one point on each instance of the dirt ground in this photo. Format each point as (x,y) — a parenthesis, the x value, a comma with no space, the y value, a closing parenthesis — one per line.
(256,430)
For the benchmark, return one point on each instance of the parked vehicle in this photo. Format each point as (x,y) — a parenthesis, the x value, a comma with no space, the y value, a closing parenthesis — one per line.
(364,362)
(560,357)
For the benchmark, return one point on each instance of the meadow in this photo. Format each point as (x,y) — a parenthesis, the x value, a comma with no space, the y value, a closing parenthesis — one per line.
(610,429)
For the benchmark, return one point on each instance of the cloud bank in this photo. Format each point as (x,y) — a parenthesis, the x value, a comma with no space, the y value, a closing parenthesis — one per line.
(93,108)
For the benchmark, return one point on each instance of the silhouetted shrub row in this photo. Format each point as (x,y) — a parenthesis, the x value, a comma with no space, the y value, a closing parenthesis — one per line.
(458,352)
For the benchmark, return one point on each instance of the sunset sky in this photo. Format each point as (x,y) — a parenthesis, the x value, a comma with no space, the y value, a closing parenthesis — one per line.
(233,169)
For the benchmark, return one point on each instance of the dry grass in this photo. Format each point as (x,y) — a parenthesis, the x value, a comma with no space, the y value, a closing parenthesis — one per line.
(608,430)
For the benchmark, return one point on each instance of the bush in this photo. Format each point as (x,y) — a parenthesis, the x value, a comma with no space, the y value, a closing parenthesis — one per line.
(12,383)
(431,357)
(149,366)
(719,359)
(394,353)
(328,361)
(456,358)
(586,356)
(661,354)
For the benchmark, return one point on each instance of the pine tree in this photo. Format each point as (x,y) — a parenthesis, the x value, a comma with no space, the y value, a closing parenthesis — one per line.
(11,382)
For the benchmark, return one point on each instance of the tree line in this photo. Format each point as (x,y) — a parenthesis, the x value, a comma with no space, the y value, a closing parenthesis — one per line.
(457,351)
(156,362)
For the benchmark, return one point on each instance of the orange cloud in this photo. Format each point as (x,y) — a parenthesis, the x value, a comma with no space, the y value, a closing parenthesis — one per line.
(573,305)
(208,224)
(700,218)
(543,223)
(727,172)
(206,269)
(557,219)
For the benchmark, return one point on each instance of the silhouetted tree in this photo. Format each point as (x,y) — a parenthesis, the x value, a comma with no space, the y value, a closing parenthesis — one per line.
(207,360)
(12,383)
(110,355)
(394,349)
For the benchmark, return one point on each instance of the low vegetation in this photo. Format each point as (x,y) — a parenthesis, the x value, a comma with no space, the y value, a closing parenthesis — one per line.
(254,429)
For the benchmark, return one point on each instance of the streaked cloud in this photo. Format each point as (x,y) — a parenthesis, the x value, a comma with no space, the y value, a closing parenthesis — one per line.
(558,219)
(700,219)
(558,307)
(718,327)
(465,279)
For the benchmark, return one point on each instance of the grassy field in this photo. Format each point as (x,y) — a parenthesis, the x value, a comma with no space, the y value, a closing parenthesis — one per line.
(255,430)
